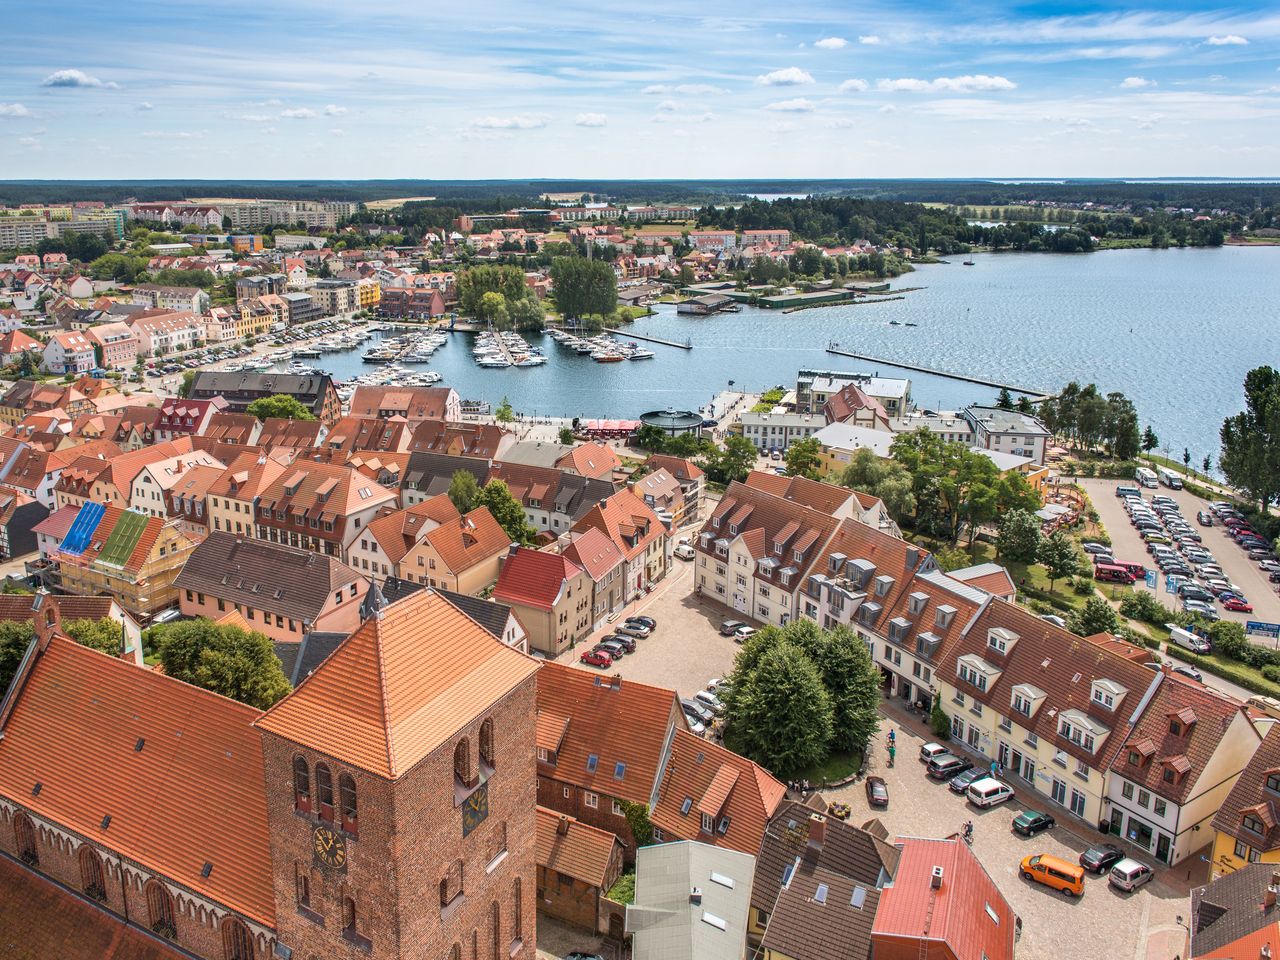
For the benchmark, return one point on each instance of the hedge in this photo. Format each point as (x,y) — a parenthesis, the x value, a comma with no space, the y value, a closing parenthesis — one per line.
(1237,673)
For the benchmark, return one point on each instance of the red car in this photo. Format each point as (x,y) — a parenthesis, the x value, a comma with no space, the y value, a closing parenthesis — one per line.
(1238,605)
(596,658)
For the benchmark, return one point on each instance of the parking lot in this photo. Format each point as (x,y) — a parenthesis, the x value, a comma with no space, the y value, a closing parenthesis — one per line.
(1239,569)
(1102,923)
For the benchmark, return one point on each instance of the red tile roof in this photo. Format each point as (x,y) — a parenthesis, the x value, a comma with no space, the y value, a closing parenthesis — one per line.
(398,530)
(399,687)
(626,520)
(74,729)
(592,459)
(959,912)
(582,851)
(464,542)
(533,578)
(594,552)
(680,468)
(823,497)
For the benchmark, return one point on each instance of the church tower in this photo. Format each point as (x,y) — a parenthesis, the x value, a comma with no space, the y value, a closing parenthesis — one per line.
(401,793)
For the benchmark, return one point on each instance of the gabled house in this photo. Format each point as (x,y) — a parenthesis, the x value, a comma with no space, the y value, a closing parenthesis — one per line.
(414,404)
(393,532)
(68,352)
(690,477)
(429,474)
(553,500)
(1246,829)
(605,564)
(641,537)
(593,459)
(1176,767)
(317,506)
(1049,707)
(186,418)
(149,492)
(577,865)
(484,441)
(239,429)
(550,594)
(1236,916)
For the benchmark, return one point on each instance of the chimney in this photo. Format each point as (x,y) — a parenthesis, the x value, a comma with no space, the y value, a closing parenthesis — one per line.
(817,831)
(512,548)
(695,896)
(935,878)
(562,827)
(913,557)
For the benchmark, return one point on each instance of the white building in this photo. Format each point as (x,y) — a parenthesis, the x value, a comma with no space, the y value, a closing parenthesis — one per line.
(777,431)
(1008,431)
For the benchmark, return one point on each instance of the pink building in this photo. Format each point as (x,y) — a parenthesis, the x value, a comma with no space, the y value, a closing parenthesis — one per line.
(118,342)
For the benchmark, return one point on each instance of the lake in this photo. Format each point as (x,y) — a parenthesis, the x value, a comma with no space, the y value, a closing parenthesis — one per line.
(1175,330)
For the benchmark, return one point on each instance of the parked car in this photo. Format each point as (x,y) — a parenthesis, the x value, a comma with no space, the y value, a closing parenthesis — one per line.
(988,792)
(710,700)
(1238,604)
(729,627)
(596,658)
(1128,875)
(683,552)
(1090,546)
(1101,858)
(946,765)
(616,651)
(1030,822)
(697,711)
(960,782)
(1055,873)
(743,633)
(931,750)
(649,622)
(632,629)
(628,643)
(877,792)
(1270,566)
(1204,518)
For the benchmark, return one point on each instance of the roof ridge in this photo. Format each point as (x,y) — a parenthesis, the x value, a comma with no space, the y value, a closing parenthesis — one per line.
(381,664)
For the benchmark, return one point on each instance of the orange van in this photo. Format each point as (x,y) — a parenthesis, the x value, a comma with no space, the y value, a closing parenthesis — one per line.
(1055,873)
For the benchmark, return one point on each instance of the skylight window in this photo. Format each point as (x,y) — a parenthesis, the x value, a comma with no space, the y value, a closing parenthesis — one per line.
(820,895)
(592,761)
(721,879)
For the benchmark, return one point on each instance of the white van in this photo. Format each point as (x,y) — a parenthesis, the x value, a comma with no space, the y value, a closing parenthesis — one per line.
(989,792)
(1188,640)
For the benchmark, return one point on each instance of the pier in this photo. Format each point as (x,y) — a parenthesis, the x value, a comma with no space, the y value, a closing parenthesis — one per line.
(836,349)
(687,345)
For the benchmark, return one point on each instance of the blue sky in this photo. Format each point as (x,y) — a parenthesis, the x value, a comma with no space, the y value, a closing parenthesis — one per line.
(285,89)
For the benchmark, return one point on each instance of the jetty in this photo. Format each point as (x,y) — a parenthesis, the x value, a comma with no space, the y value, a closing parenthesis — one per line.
(687,345)
(835,348)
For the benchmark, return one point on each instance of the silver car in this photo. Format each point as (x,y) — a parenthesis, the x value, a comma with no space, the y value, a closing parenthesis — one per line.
(1128,875)
(637,630)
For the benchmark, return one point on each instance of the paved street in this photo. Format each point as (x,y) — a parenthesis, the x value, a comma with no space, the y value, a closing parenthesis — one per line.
(1235,563)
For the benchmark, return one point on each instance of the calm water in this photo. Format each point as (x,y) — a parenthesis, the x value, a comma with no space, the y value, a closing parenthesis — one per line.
(1175,330)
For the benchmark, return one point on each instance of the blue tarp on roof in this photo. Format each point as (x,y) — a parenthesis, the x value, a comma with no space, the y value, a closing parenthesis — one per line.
(82,528)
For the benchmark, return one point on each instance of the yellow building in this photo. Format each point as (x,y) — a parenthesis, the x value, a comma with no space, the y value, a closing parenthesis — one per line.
(1246,828)
(370,291)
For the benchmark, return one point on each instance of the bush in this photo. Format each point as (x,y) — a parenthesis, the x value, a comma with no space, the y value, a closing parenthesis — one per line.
(1082,585)
(1271,672)
(939,720)
(1236,673)
(1142,605)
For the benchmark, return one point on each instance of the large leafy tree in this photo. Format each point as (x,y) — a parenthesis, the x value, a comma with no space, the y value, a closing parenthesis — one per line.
(1058,556)
(781,713)
(101,635)
(1019,536)
(1250,458)
(464,490)
(280,406)
(506,509)
(732,462)
(1096,616)
(802,458)
(850,677)
(583,287)
(225,659)
(473,283)
(15,635)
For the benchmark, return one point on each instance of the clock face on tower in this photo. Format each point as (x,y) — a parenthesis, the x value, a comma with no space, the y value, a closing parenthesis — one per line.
(330,847)
(475,809)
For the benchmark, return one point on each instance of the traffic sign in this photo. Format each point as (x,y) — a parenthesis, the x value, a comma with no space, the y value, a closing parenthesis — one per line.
(1151,579)
(1260,628)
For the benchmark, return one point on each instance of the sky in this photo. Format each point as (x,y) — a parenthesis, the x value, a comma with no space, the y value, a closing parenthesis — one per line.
(281,89)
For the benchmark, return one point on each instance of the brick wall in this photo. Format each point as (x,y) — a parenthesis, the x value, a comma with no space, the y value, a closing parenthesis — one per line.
(567,899)
(551,793)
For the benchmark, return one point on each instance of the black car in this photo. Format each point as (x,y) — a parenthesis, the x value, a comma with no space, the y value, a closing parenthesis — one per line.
(1101,858)
(628,643)
(877,792)
(1030,822)
(960,782)
(649,622)
(946,766)
(1275,577)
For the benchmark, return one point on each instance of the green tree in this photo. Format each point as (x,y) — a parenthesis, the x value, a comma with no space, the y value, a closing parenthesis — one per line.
(474,282)
(1228,638)
(1057,554)
(802,458)
(850,677)
(280,406)
(583,287)
(15,637)
(188,378)
(101,635)
(492,308)
(732,462)
(507,510)
(1096,616)
(464,490)
(939,721)
(504,413)
(1005,400)
(1250,457)
(566,436)
(225,659)
(781,713)
(650,438)
(1149,440)
(1019,536)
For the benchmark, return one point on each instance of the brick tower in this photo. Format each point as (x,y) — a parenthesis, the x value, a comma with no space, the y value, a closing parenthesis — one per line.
(401,793)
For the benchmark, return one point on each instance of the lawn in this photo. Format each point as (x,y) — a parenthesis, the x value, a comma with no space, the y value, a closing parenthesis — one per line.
(838,766)
(624,889)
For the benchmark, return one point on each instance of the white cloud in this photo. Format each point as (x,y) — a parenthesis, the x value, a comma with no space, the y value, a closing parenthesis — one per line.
(522,121)
(76,78)
(965,84)
(788,77)
(841,123)
(798,105)
(29,141)
(250,117)
(832,43)
(705,117)
(591,120)
(333,110)
(853,86)
(1136,83)
(13,110)
(299,113)
(888,108)
(684,89)
(668,106)
(870,41)
(145,105)
(1227,40)
(337,131)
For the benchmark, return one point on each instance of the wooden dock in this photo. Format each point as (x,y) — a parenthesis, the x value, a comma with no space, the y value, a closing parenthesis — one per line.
(687,345)
(836,349)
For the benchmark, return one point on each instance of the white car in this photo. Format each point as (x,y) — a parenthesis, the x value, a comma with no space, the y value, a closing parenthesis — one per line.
(710,700)
(683,552)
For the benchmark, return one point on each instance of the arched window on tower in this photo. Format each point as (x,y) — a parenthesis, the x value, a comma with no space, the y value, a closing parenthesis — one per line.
(160,909)
(237,941)
(462,762)
(324,792)
(301,785)
(456,952)
(350,932)
(25,836)
(517,911)
(347,804)
(486,742)
(91,877)
(495,923)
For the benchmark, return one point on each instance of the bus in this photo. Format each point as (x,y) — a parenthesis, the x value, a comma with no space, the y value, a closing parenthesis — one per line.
(1113,573)
(1170,478)
(1146,477)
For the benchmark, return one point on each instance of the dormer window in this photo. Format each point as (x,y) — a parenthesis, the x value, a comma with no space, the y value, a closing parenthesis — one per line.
(1175,728)
(884,584)
(1273,781)
(1001,640)
(733,529)
(970,675)
(943,615)
(1250,822)
(1107,693)
(916,602)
